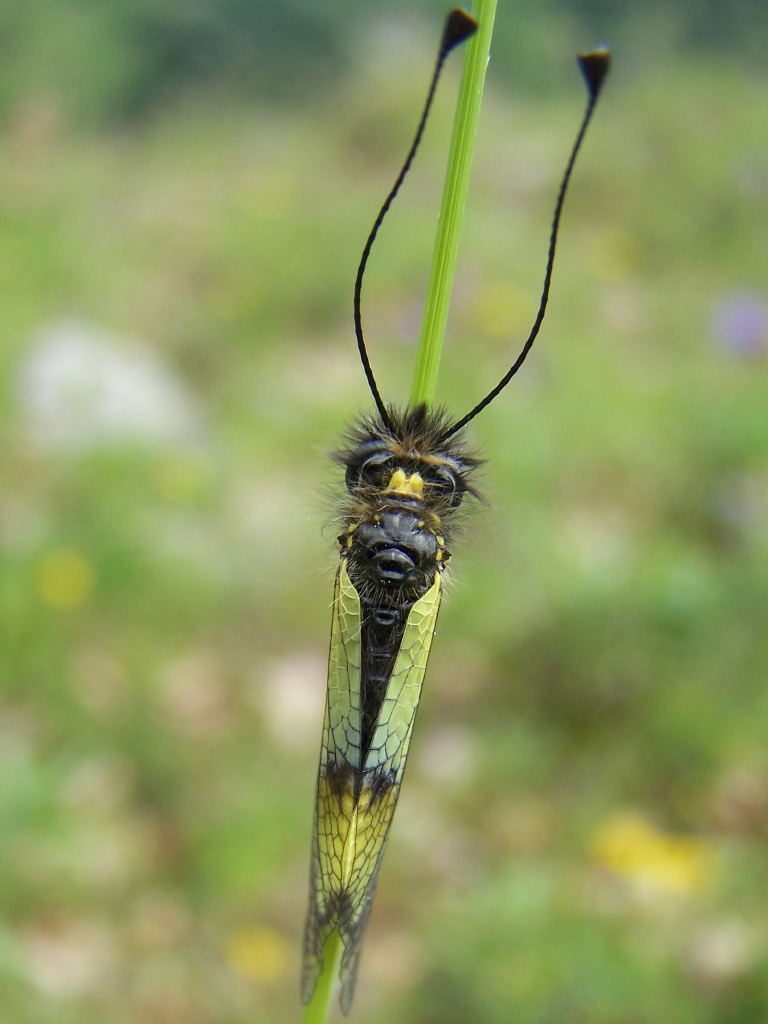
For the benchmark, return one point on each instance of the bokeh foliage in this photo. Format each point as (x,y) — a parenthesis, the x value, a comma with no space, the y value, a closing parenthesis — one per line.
(109,61)
(582,832)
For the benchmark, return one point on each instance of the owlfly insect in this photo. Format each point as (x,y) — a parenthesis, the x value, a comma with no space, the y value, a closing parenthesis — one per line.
(407,471)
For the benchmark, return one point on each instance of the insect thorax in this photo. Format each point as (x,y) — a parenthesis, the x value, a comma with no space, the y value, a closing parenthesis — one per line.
(404,488)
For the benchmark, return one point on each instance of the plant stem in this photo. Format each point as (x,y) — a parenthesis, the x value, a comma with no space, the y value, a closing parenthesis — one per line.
(452,208)
(462,147)
(317,1010)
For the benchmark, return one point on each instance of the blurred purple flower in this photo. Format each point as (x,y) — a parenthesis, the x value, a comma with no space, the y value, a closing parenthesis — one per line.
(739,323)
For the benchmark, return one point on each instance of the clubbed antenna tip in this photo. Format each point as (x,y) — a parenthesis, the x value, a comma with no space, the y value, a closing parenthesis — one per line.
(458,26)
(594,67)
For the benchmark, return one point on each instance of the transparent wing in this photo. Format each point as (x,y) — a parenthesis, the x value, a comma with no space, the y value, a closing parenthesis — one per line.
(354,807)
(335,803)
(382,775)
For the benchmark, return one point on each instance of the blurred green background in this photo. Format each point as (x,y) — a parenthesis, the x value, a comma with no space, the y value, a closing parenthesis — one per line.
(185,188)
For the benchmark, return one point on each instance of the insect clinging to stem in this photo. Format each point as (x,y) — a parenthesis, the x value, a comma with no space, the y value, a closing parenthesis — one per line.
(407,471)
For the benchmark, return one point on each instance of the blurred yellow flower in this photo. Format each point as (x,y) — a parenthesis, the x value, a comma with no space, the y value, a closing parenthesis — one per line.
(657,862)
(261,954)
(64,578)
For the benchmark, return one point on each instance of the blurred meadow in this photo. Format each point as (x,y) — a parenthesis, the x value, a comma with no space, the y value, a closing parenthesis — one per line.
(184,193)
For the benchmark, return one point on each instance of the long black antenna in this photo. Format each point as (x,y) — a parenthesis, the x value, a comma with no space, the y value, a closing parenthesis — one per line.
(458,27)
(594,67)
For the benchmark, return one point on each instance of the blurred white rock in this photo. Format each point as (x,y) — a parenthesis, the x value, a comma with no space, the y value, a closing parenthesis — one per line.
(81,386)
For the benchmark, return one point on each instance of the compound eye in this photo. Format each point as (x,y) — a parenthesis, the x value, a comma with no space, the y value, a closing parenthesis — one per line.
(444,483)
(369,468)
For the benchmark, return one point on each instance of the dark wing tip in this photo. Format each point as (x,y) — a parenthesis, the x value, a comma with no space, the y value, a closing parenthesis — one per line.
(458,26)
(594,67)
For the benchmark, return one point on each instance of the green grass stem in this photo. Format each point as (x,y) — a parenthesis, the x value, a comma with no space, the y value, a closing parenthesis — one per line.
(318,1009)
(452,208)
(444,255)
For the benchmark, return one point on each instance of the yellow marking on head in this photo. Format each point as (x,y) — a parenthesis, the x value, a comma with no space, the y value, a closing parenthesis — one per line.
(401,483)
(439,556)
(440,541)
